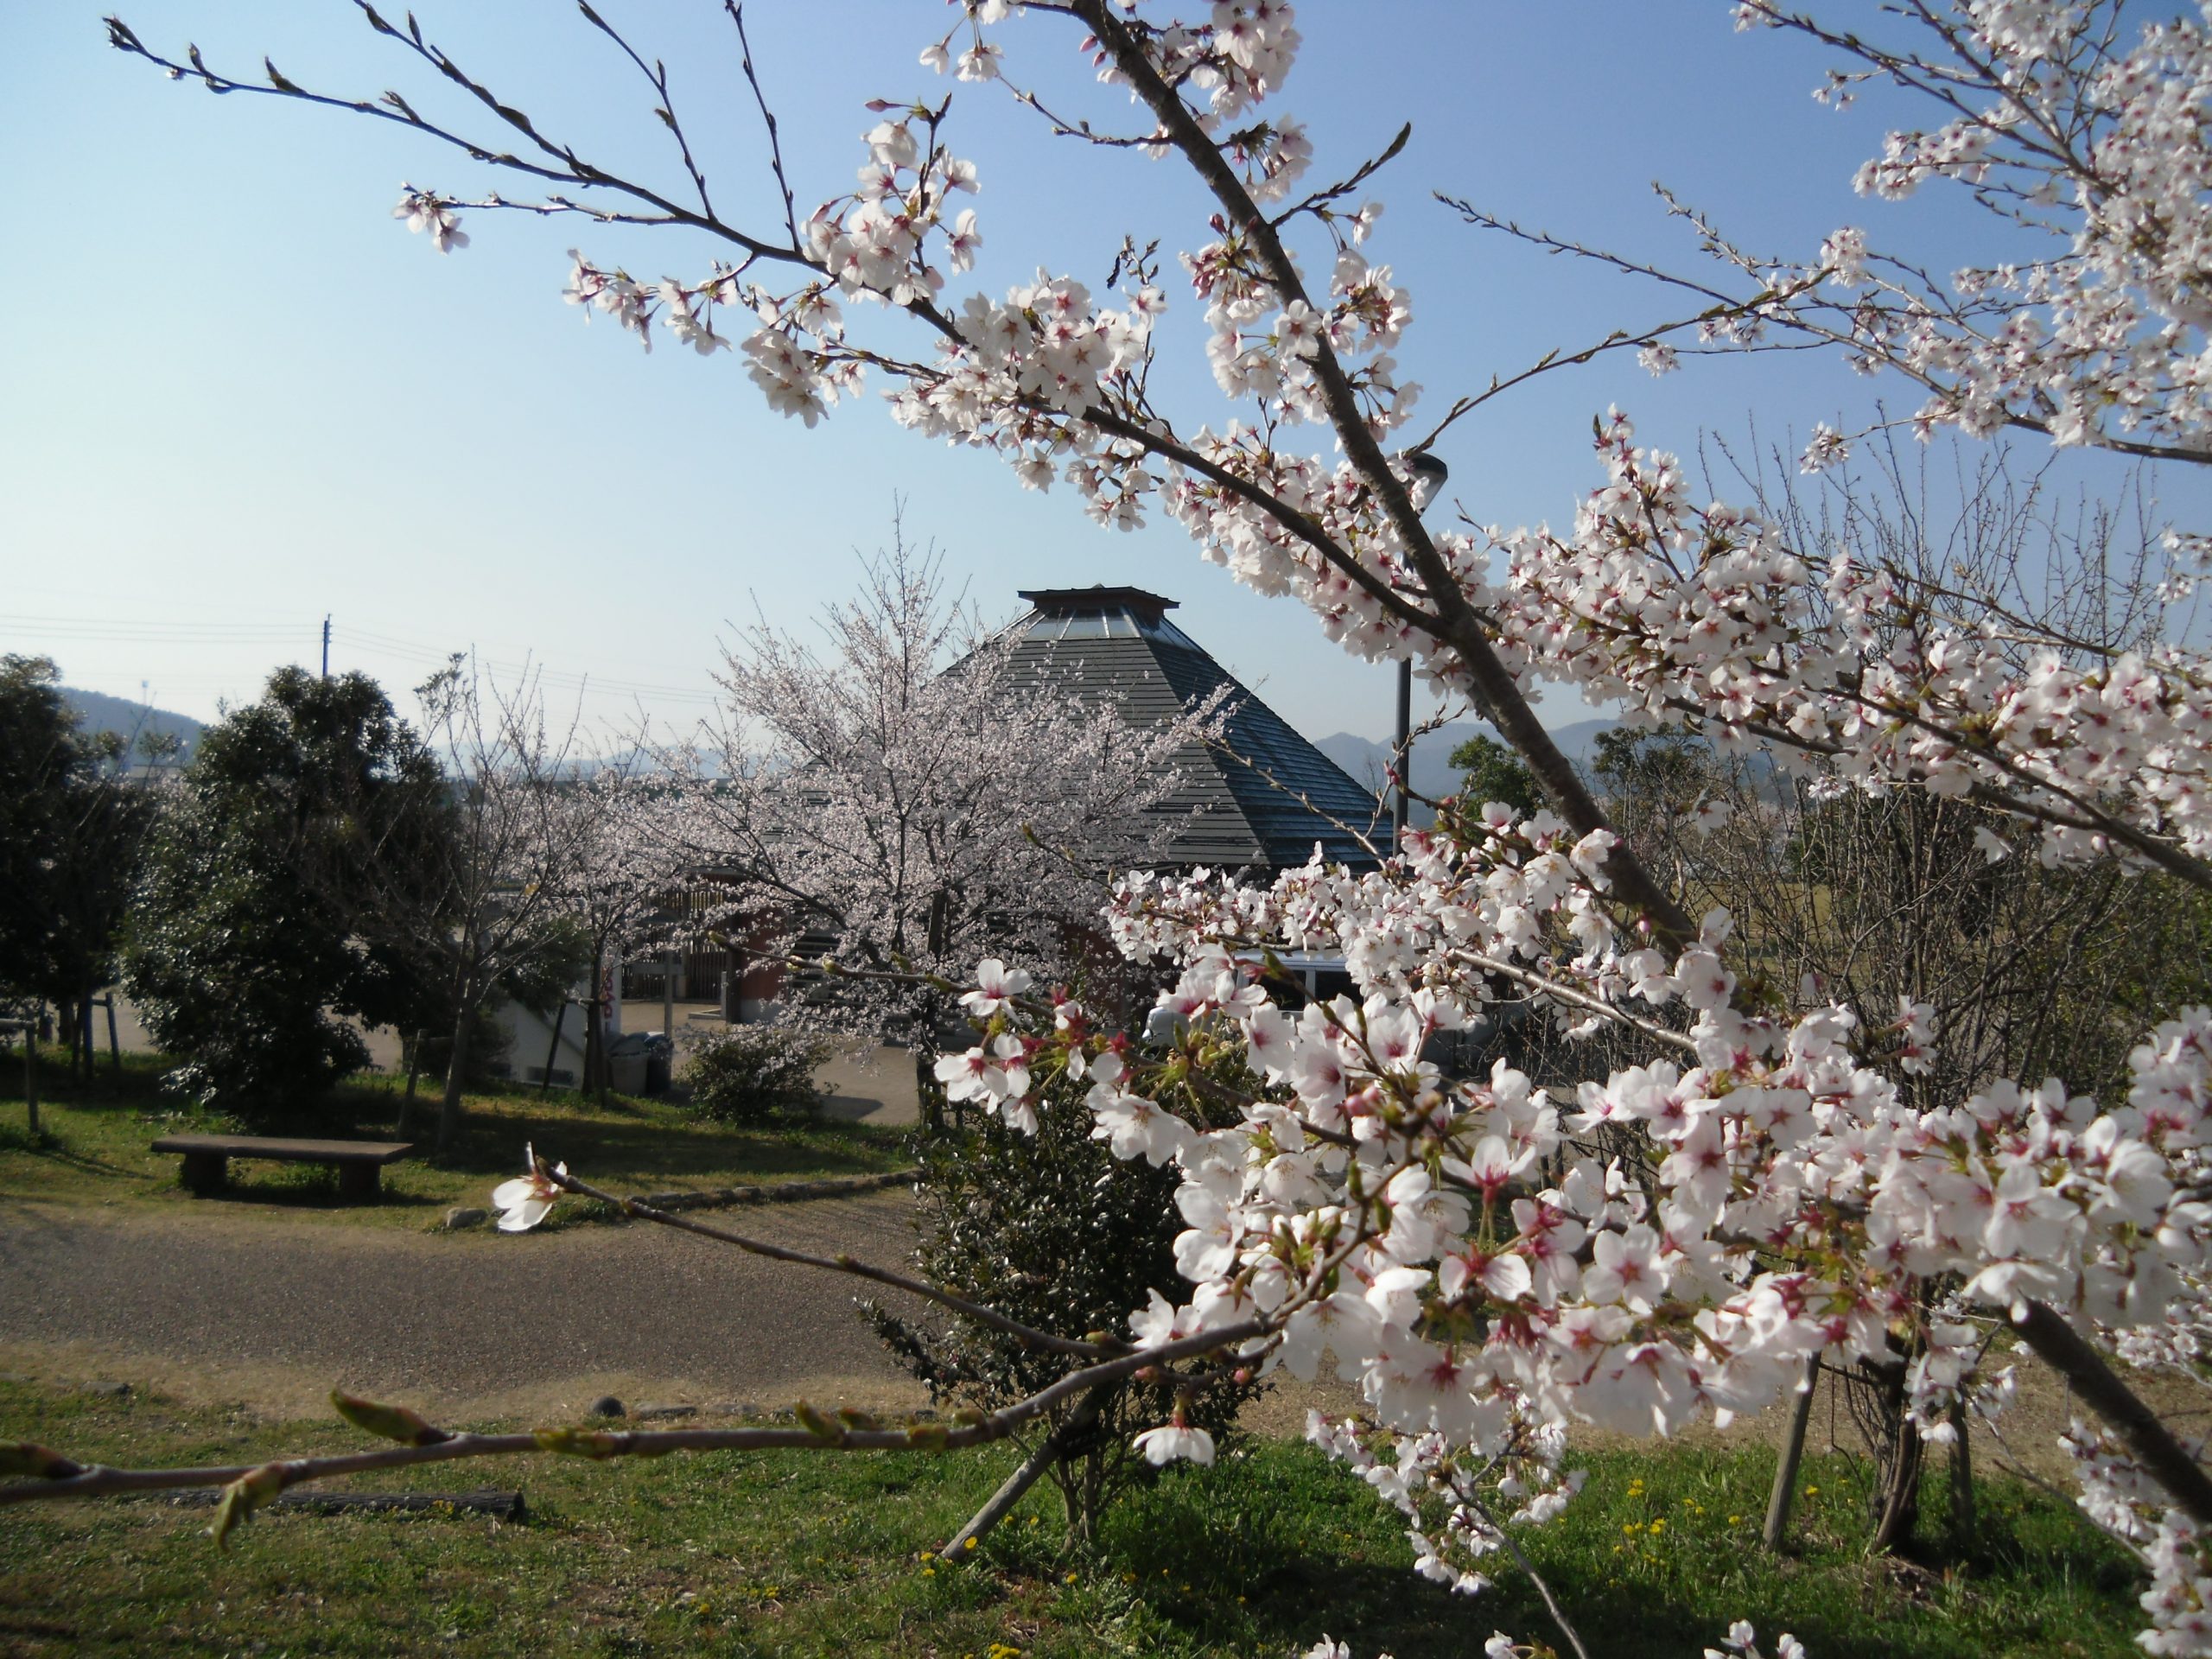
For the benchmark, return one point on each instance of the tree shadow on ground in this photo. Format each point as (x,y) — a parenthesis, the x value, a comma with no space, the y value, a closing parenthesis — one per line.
(312,1186)
(640,1142)
(49,1145)
(1265,1556)
(100,1134)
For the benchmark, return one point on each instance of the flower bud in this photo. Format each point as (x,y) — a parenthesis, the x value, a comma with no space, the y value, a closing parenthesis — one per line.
(243,1496)
(390,1422)
(22,1458)
(579,1442)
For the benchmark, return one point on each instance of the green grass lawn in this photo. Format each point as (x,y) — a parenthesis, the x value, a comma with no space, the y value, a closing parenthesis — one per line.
(96,1149)
(827,1554)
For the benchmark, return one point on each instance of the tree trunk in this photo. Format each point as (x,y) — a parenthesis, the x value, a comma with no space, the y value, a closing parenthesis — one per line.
(414,1069)
(1961,1476)
(928,1090)
(553,1049)
(30,1071)
(1899,1500)
(595,1050)
(456,1069)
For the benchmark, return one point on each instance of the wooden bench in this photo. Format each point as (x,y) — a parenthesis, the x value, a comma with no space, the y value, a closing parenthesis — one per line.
(358,1163)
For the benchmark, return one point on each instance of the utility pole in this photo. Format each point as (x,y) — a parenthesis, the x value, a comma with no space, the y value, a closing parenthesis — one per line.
(1402,755)
(326,644)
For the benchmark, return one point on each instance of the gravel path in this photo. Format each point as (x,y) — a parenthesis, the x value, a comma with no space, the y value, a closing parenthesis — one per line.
(535,1322)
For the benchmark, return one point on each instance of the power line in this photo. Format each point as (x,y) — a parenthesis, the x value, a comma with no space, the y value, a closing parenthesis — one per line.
(559,678)
(178,633)
(175,631)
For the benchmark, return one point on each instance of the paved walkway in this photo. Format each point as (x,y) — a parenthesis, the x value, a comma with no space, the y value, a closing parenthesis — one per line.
(275,1314)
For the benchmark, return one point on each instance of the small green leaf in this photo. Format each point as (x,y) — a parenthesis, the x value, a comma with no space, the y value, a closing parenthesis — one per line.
(579,1442)
(243,1496)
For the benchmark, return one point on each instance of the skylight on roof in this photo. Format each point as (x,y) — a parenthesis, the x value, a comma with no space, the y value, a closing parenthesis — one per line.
(1115,623)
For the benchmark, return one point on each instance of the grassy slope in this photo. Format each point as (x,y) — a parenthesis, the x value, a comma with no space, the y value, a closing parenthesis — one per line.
(797,1553)
(97,1150)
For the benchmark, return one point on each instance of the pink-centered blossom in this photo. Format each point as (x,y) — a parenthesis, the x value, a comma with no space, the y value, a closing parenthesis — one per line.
(526,1200)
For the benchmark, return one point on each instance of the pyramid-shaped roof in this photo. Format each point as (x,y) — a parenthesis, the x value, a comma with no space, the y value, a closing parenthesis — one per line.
(1118,643)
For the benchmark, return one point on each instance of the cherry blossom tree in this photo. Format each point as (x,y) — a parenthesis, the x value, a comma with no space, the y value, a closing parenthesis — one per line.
(1681,1233)
(910,798)
(614,875)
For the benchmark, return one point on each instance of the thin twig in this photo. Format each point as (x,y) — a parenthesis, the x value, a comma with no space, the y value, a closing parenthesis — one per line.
(1519,1556)
(767,116)
(842,1263)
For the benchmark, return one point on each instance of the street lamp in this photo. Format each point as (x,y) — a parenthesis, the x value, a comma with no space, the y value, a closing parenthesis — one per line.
(1429,473)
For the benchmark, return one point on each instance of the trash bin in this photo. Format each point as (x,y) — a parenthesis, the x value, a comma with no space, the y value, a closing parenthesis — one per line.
(637,1062)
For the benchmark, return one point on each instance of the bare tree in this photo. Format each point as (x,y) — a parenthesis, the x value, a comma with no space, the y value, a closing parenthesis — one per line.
(488,910)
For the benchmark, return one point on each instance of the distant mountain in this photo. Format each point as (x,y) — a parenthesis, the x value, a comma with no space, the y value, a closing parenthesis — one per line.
(101,713)
(1369,761)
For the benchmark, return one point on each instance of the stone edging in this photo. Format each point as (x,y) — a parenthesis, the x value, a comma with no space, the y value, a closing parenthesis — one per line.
(783,1192)
(461,1218)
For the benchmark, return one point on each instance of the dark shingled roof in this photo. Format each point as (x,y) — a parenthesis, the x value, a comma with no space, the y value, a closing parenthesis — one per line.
(1118,642)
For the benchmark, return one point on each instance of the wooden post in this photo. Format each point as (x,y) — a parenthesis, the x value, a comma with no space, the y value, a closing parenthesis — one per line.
(1079,1423)
(1793,1453)
(205,1172)
(668,962)
(360,1182)
(28,1031)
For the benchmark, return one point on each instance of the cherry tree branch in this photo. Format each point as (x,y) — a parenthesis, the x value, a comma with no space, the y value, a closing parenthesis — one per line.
(736,13)
(1457,623)
(656,76)
(2060,1347)
(571,169)
(852,1432)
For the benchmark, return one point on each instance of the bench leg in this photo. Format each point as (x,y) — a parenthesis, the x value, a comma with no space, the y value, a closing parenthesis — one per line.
(206,1172)
(360,1183)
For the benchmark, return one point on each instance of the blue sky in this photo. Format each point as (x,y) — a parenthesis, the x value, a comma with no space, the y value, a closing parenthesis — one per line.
(242,395)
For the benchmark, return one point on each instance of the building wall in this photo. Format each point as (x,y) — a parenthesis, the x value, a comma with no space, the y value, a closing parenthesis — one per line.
(531,1035)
